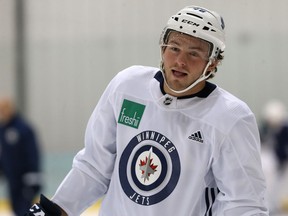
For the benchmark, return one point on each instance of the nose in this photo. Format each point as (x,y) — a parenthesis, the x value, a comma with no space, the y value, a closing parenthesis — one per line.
(181,59)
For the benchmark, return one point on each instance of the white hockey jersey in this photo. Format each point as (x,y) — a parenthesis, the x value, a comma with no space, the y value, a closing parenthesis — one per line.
(149,153)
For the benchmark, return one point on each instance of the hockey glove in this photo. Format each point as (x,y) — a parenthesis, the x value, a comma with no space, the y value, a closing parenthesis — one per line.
(45,208)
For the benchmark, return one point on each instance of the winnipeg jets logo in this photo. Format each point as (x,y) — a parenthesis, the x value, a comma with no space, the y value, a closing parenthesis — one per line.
(147,167)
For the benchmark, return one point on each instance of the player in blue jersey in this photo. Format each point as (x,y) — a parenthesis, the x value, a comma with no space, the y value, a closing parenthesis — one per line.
(165,141)
(19,157)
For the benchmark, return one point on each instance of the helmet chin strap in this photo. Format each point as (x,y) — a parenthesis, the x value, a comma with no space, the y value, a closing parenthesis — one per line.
(201,78)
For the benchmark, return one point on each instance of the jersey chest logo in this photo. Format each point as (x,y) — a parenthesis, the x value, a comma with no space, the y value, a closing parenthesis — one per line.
(131,113)
(149,168)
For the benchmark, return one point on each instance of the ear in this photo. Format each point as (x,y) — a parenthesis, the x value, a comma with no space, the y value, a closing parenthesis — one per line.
(213,65)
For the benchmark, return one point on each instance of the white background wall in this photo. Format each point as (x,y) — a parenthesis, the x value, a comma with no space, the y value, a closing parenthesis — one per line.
(74,47)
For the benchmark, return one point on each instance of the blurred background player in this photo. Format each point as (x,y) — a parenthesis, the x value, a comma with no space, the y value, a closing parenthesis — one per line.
(19,157)
(274,139)
(274,132)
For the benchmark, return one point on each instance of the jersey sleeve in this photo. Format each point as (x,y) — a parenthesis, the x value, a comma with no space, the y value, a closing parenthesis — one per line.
(77,192)
(93,165)
(238,172)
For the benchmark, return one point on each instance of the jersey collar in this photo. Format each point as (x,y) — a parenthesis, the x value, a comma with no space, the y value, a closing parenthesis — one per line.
(204,93)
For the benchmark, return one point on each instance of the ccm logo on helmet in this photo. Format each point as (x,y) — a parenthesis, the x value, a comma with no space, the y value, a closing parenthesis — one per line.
(190,22)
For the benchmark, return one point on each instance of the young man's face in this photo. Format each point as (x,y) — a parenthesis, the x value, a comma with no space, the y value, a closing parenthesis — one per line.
(184,60)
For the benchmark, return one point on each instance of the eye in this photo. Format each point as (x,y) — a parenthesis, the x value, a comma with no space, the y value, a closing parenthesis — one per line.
(194,54)
(174,48)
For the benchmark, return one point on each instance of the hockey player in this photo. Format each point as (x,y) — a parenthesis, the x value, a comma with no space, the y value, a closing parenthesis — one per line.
(19,157)
(166,141)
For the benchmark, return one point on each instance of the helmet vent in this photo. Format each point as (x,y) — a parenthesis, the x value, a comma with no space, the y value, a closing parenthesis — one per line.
(195,15)
(176,18)
(206,28)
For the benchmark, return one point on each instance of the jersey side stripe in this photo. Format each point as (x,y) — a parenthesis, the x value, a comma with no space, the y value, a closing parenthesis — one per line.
(210,196)
(207,200)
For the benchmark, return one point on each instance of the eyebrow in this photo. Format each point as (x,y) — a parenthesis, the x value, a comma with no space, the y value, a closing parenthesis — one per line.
(190,47)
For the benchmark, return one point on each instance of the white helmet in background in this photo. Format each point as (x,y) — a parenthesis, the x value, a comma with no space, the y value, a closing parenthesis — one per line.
(275,113)
(198,22)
